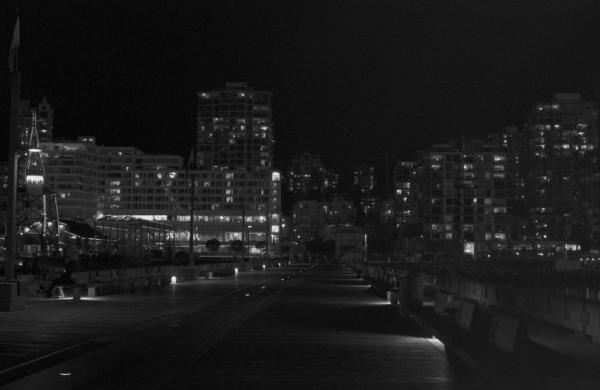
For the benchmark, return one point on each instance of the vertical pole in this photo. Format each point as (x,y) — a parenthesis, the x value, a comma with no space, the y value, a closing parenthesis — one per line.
(192,167)
(15,98)
(268,214)
(243,229)
(44,223)
(366,248)
(248,132)
(57,224)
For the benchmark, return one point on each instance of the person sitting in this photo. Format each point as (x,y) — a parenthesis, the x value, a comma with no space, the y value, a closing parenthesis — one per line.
(63,280)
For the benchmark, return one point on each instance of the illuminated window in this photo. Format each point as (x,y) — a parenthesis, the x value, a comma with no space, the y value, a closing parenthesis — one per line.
(469,248)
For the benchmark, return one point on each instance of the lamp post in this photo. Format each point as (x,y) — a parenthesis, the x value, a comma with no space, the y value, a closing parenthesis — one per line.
(365,245)
(189,272)
(191,168)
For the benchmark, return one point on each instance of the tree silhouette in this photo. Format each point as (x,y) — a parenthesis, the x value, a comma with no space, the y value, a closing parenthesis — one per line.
(237,245)
(213,245)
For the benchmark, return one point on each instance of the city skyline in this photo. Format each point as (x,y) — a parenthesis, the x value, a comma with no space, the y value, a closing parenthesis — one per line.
(410,82)
(236,194)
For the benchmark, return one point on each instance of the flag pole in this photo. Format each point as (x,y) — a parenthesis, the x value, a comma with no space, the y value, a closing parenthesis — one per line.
(15,98)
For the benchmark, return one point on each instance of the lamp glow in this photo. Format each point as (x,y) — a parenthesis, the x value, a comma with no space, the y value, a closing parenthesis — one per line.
(173,279)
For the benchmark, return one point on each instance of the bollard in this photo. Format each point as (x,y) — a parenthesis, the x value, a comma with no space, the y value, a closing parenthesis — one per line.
(76,293)
(59,292)
(92,291)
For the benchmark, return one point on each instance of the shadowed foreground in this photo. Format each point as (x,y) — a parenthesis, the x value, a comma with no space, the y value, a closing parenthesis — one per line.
(324,331)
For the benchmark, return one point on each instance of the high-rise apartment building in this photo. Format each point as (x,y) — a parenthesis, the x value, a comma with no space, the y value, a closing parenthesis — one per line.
(235,128)
(405,194)
(559,170)
(463,195)
(235,145)
(364,179)
(364,183)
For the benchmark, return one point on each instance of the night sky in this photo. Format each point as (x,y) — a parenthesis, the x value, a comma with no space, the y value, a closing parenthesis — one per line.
(352,80)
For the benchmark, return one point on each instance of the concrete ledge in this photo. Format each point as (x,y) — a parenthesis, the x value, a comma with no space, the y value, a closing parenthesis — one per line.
(10,299)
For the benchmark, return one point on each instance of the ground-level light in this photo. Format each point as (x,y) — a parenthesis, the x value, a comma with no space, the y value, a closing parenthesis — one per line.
(173,279)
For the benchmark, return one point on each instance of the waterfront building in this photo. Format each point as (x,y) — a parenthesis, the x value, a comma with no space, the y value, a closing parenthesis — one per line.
(463,197)
(405,194)
(364,179)
(559,173)
(308,178)
(312,218)
(122,183)
(234,128)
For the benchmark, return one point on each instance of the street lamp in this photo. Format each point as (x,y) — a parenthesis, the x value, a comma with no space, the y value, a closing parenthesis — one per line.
(365,245)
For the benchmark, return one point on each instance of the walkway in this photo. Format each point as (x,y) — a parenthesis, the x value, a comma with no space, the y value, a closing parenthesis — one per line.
(320,329)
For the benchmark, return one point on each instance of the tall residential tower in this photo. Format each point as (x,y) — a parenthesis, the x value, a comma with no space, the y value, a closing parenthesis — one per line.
(235,128)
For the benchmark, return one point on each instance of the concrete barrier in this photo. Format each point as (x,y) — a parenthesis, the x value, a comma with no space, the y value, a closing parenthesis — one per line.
(392,296)
(574,309)
(441,302)
(503,332)
(464,315)
(593,321)
(575,315)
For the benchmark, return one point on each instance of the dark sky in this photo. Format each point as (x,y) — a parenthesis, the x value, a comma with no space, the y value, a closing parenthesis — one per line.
(352,80)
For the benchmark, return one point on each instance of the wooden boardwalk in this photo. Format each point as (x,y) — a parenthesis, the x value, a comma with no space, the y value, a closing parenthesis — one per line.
(325,332)
(283,329)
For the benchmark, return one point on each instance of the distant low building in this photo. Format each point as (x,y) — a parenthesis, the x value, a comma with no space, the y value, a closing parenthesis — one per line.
(313,219)
(308,178)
